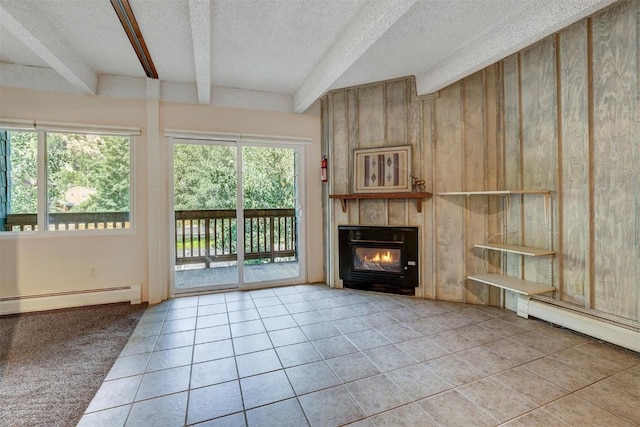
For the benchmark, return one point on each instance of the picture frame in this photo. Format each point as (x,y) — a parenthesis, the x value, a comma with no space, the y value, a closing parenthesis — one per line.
(391,163)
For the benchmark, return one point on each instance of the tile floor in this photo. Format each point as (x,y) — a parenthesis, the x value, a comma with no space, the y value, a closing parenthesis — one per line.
(312,355)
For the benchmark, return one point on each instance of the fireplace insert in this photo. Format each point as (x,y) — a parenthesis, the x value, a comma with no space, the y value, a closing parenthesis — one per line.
(383,259)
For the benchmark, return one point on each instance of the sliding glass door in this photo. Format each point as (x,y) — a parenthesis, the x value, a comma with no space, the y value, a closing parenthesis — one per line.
(269,196)
(237,215)
(205,206)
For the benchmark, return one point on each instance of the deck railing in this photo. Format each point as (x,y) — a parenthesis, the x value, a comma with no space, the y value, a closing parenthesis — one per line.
(202,236)
(207,236)
(70,221)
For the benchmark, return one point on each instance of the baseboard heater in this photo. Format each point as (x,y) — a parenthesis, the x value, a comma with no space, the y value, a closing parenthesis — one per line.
(52,301)
(618,333)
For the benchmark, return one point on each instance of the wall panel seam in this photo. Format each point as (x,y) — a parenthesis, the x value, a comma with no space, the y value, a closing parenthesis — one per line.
(463,163)
(588,298)
(559,168)
(521,159)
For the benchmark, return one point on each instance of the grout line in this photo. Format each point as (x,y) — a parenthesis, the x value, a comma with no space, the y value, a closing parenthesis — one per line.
(235,362)
(451,313)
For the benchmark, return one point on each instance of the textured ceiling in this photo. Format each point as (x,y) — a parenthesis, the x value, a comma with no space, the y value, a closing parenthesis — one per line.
(267,54)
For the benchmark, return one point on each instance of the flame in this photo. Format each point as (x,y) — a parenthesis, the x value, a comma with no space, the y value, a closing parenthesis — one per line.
(378,257)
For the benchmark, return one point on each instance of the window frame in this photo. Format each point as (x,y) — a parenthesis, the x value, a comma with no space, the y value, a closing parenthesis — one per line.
(41,129)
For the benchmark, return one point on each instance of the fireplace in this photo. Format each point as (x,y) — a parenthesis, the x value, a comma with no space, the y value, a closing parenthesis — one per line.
(383,259)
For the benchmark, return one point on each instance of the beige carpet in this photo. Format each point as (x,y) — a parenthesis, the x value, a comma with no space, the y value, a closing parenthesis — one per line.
(52,363)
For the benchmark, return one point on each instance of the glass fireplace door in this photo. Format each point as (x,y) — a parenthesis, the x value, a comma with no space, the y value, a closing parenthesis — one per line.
(377,259)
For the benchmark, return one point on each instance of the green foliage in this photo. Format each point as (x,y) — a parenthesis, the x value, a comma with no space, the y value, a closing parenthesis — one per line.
(24,172)
(110,177)
(205,177)
(59,178)
(269,180)
(97,162)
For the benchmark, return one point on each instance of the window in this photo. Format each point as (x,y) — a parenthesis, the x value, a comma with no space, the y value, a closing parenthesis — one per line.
(87,176)
(18,180)
(88,181)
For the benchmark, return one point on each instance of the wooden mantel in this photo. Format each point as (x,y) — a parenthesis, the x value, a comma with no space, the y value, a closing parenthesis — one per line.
(344,197)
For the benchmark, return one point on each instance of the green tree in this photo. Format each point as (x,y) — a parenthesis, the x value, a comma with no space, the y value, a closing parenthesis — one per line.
(109,175)
(98,162)
(269,181)
(205,177)
(59,171)
(23,148)
(94,161)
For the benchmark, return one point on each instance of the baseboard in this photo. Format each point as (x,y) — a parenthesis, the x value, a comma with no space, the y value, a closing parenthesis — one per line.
(605,330)
(53,301)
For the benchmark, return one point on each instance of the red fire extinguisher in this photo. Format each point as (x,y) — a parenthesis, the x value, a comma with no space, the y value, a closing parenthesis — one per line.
(323,169)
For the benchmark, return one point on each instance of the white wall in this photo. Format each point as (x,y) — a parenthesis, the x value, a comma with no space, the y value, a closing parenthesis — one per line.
(52,263)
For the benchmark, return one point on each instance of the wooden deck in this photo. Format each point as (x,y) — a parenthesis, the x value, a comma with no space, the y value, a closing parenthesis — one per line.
(226,276)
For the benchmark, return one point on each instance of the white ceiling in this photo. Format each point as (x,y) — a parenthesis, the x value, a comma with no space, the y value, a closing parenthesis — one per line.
(267,54)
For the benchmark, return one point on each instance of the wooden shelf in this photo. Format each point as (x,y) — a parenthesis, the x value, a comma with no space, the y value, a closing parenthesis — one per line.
(521,250)
(417,196)
(524,287)
(493,192)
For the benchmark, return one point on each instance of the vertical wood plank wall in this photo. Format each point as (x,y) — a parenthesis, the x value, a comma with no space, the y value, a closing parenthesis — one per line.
(474,170)
(376,115)
(616,148)
(372,115)
(512,167)
(539,150)
(573,183)
(563,115)
(327,214)
(494,154)
(427,257)
(449,212)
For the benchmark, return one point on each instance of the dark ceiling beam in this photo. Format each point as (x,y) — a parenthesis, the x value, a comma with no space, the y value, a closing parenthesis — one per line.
(130,25)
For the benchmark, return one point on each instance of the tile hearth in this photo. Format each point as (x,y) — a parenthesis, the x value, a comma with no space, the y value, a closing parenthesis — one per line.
(312,355)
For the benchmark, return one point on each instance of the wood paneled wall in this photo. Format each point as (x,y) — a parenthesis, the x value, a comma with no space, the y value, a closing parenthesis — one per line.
(614,278)
(563,115)
(377,115)
(466,147)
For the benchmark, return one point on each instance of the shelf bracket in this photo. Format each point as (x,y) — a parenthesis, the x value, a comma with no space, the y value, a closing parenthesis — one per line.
(418,196)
